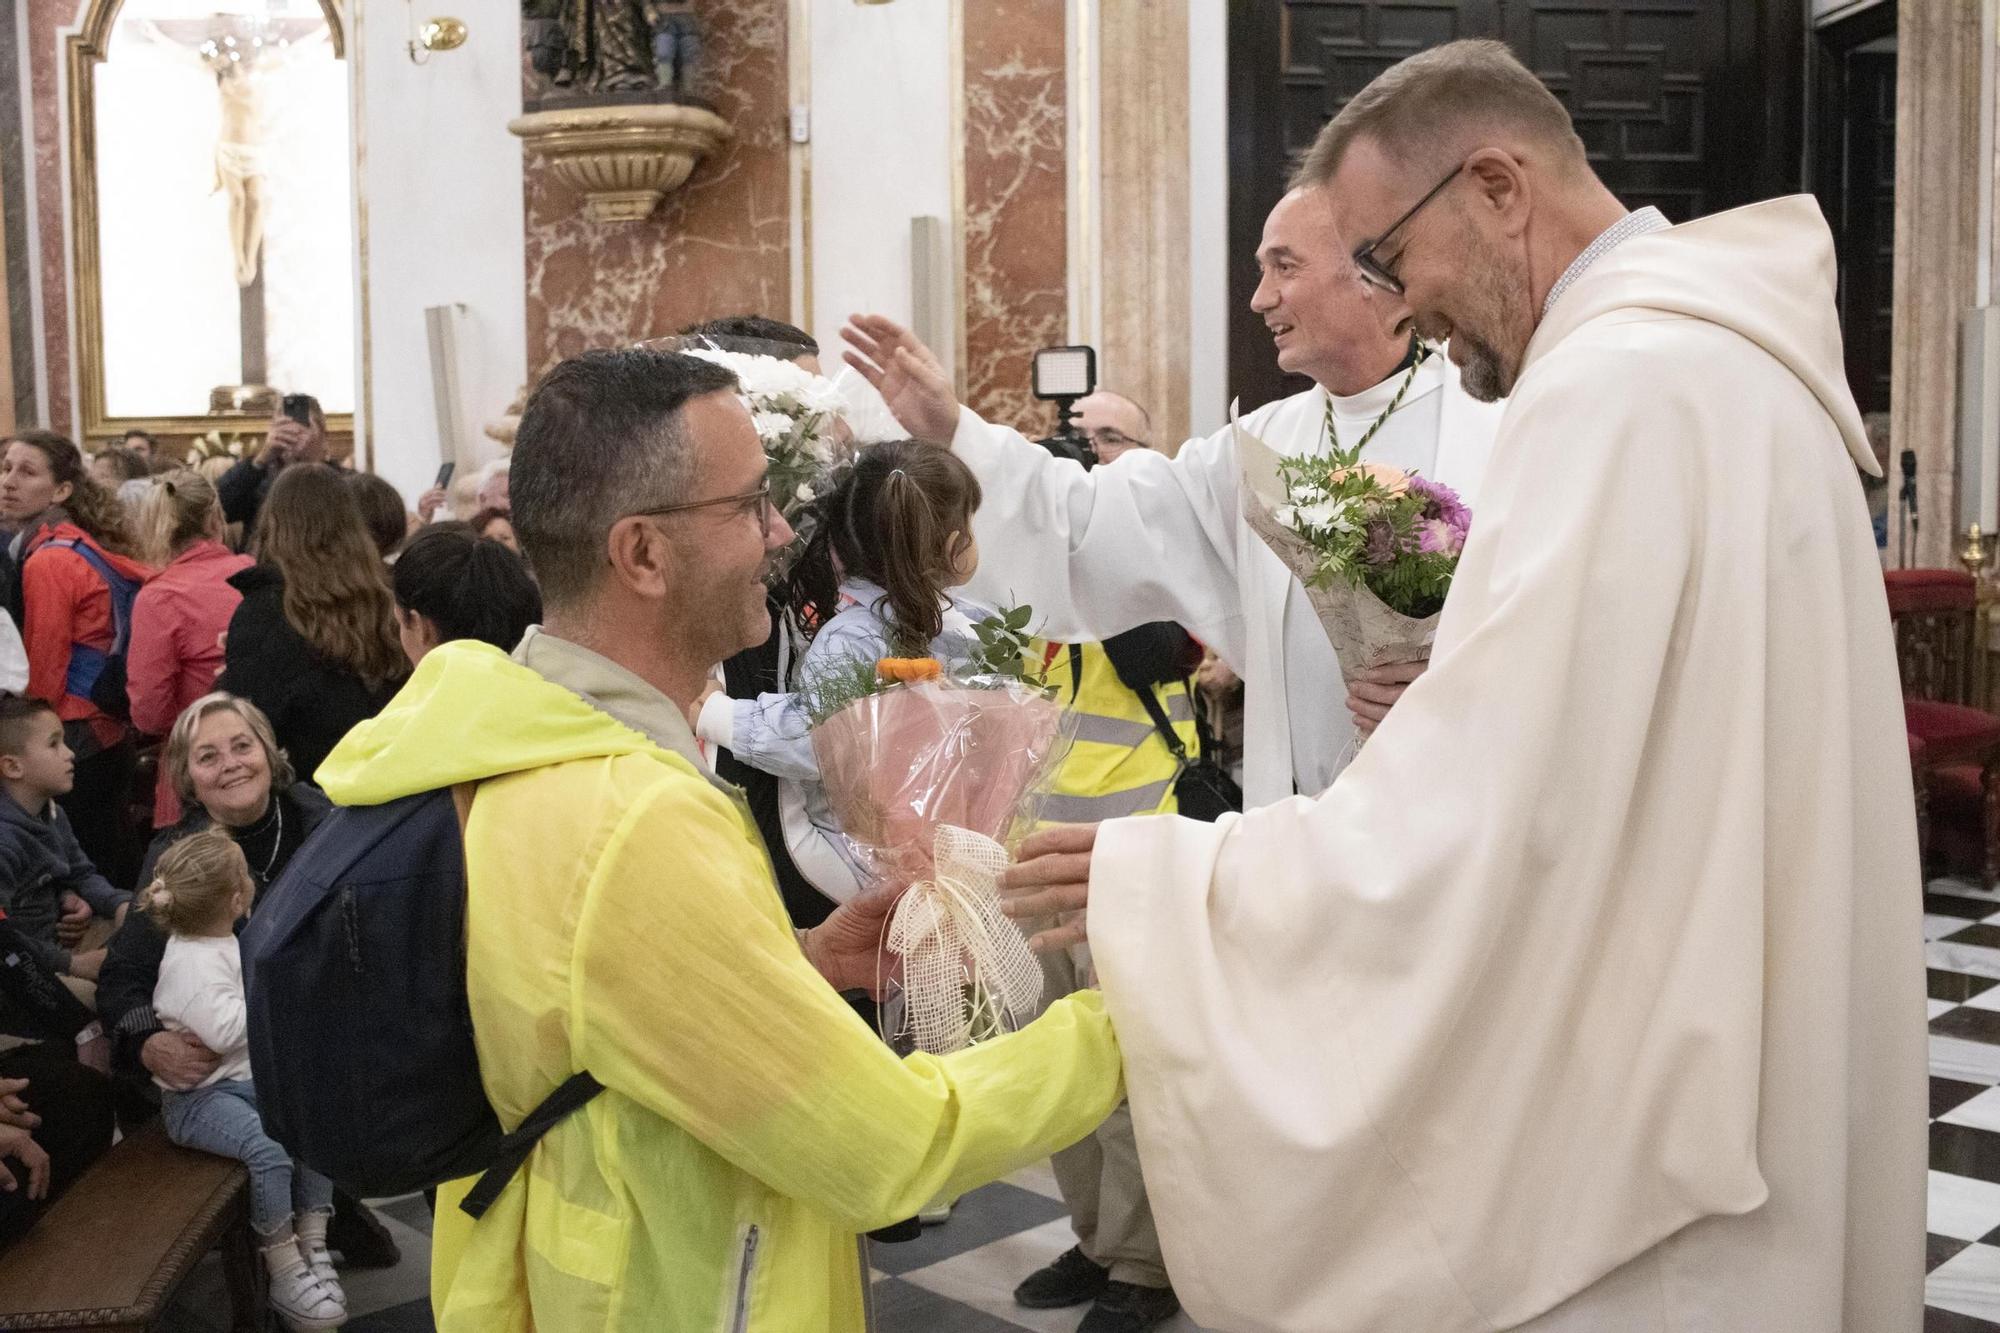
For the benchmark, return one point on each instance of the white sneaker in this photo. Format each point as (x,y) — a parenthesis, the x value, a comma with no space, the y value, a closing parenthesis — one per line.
(306,1303)
(320,1260)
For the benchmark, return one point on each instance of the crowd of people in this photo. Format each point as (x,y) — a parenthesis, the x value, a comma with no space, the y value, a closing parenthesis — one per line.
(189,644)
(183,644)
(1575,1001)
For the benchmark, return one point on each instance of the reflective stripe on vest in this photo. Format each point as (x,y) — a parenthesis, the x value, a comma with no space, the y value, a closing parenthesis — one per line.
(1118,765)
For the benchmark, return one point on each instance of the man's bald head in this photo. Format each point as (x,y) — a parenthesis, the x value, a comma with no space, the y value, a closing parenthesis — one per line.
(1114,424)
(1426,113)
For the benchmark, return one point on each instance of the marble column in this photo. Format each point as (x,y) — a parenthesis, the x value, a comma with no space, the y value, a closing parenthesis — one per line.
(1937,237)
(718,246)
(1015,223)
(1143,232)
(47,126)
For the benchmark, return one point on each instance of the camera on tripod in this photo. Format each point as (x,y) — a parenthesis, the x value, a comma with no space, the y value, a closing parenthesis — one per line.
(1062,375)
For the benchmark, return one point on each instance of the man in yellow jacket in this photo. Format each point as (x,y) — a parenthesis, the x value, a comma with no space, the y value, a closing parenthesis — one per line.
(622,919)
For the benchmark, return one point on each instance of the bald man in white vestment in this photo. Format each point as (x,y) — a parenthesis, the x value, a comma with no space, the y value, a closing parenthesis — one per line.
(1589,999)
(1099,553)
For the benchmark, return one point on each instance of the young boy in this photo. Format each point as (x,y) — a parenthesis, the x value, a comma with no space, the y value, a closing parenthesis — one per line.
(41,864)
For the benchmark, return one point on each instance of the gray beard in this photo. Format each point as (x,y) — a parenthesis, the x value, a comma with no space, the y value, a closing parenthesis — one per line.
(1481,376)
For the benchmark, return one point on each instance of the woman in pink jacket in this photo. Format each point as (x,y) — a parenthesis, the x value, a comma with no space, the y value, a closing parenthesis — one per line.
(181,615)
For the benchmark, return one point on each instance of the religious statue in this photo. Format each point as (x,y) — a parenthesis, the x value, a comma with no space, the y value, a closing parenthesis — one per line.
(614,46)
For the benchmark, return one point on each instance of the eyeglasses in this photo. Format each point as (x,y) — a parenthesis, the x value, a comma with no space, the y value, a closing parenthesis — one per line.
(761,497)
(1107,437)
(1373,271)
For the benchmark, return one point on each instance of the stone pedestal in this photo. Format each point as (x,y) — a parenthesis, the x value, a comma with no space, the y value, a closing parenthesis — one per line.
(622,159)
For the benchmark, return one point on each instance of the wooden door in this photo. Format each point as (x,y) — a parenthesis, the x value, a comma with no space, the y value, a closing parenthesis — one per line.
(1689,105)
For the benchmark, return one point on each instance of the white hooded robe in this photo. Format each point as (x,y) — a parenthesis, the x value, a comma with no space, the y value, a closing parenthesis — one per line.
(1590,997)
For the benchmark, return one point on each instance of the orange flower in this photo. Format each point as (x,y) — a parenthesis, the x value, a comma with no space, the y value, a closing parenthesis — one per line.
(909,670)
(1393,480)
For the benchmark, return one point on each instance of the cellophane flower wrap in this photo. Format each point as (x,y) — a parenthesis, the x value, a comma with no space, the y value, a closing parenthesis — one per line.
(1375,547)
(930,779)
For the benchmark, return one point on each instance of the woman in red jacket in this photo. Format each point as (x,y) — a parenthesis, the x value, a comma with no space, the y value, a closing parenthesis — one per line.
(180,617)
(67,522)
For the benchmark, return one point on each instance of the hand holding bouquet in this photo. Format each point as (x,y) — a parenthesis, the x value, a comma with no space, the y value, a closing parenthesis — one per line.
(1375,547)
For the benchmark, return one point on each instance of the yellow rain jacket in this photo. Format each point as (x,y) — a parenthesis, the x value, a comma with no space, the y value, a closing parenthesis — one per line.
(621,918)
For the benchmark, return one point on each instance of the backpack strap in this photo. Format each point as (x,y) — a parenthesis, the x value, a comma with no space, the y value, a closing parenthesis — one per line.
(1149,699)
(571,1095)
(575,1090)
(122,589)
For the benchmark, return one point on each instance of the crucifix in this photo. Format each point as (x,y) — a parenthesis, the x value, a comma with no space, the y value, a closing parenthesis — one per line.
(237,49)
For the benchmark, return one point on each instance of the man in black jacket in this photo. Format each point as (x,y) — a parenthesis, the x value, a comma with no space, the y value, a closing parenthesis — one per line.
(245,486)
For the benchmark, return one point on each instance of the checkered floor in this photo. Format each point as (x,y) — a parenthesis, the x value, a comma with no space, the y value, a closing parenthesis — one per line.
(959,1277)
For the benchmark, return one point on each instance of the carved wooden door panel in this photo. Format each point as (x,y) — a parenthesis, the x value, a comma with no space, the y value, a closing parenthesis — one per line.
(1689,105)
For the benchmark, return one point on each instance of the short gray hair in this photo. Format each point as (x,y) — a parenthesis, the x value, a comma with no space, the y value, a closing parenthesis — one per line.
(600,437)
(179,756)
(1427,105)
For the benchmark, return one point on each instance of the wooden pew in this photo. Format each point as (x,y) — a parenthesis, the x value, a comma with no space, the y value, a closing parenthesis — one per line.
(110,1253)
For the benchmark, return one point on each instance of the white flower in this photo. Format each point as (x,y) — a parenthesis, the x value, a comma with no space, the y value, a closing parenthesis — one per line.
(805,495)
(1326,514)
(1287,515)
(771,425)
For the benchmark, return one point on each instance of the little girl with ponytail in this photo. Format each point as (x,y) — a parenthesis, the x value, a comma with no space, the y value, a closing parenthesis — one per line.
(200,890)
(895,536)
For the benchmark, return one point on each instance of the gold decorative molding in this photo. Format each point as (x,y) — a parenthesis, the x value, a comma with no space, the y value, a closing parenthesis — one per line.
(83,51)
(623,159)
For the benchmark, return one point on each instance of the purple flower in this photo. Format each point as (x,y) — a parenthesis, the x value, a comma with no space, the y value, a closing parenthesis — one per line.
(1441,502)
(1380,546)
(1437,537)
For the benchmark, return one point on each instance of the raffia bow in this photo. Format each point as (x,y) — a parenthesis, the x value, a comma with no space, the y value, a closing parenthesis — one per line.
(967,972)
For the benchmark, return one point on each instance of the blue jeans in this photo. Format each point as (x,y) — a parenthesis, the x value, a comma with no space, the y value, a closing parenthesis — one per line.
(222,1118)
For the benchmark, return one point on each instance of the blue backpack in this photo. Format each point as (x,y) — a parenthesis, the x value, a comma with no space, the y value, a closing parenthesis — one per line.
(360,1032)
(94,673)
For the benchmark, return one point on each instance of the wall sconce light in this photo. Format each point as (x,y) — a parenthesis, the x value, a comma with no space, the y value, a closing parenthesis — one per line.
(439,34)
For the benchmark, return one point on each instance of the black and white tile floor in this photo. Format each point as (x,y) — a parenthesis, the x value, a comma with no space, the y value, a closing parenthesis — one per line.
(959,1277)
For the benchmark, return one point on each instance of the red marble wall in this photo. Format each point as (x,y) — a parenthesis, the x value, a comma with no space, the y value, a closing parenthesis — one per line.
(47,121)
(1016,218)
(718,246)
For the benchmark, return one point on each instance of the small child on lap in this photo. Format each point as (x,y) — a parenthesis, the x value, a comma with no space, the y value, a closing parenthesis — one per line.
(202,888)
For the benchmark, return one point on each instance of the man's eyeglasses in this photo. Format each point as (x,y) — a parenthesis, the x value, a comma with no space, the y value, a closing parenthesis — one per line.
(1373,271)
(761,498)
(1107,437)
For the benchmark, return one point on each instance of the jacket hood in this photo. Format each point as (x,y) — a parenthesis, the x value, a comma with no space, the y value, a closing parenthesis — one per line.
(1765,271)
(469,713)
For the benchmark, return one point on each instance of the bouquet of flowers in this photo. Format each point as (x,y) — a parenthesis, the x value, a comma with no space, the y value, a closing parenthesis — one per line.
(809,425)
(929,776)
(1375,547)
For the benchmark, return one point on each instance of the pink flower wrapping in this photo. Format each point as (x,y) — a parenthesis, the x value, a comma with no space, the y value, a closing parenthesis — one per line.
(899,764)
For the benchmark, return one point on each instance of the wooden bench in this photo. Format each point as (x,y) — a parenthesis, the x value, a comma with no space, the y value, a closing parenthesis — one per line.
(109,1254)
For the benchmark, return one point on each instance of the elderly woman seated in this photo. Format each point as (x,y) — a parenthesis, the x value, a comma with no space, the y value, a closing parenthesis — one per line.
(225,765)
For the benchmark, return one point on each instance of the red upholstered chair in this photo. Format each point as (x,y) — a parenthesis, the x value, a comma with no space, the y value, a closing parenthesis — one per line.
(1954,743)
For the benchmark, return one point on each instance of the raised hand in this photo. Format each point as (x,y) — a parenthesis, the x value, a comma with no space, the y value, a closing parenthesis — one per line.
(1051,877)
(910,379)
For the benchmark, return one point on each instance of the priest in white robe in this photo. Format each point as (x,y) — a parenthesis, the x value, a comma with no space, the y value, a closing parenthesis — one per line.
(1098,553)
(1590,997)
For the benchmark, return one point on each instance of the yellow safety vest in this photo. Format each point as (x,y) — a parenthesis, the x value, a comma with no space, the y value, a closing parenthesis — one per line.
(1119,764)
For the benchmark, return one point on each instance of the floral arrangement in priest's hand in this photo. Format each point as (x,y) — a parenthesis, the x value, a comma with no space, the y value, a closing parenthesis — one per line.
(1375,547)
